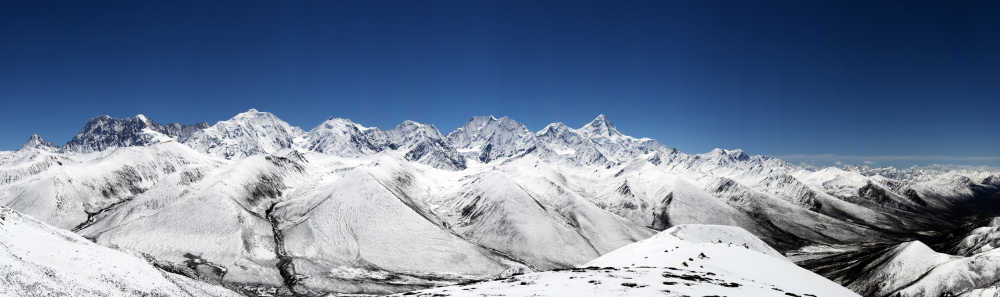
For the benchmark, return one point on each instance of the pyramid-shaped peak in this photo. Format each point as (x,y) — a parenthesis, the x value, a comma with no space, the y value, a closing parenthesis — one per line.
(36,141)
(600,126)
(600,119)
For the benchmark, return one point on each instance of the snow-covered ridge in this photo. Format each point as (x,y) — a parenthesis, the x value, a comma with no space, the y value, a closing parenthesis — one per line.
(104,132)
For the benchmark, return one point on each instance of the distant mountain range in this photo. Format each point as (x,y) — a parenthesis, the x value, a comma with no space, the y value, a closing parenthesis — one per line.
(261,207)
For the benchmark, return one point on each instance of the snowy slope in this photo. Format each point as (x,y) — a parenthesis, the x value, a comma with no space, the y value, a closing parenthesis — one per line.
(374,241)
(979,240)
(38,260)
(914,269)
(667,264)
(65,190)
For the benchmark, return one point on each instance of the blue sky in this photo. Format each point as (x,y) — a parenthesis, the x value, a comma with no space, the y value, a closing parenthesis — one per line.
(901,82)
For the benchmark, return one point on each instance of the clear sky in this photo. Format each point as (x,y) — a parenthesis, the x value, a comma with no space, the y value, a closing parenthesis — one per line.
(903,81)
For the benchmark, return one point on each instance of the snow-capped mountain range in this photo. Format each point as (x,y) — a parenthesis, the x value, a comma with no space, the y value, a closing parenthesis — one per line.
(268,207)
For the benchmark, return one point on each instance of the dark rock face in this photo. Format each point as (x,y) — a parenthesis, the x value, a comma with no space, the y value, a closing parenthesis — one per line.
(992,180)
(875,194)
(105,132)
(438,154)
(181,132)
(661,215)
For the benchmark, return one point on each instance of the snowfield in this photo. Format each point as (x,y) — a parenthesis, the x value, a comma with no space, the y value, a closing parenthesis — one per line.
(686,260)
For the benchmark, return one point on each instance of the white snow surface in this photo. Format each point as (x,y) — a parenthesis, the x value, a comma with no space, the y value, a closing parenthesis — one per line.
(667,265)
(39,260)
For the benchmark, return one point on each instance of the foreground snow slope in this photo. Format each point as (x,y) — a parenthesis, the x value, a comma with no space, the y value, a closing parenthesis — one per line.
(39,260)
(686,260)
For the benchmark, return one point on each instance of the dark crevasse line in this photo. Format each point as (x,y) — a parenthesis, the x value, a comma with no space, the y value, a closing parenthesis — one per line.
(286,268)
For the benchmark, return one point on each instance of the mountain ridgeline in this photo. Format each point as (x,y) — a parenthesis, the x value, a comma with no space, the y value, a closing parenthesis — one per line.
(266,208)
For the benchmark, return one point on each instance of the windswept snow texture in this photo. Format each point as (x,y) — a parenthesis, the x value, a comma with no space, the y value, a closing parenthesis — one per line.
(39,260)
(715,261)
(255,203)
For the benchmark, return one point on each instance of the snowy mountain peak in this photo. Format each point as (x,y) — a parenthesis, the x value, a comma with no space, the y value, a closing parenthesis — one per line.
(36,141)
(556,128)
(409,127)
(411,123)
(342,137)
(248,133)
(422,143)
(490,138)
(419,142)
(104,132)
(600,126)
(254,114)
(144,119)
(727,154)
(342,124)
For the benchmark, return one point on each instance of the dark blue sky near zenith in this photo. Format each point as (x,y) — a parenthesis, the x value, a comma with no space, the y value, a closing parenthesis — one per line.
(887,82)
